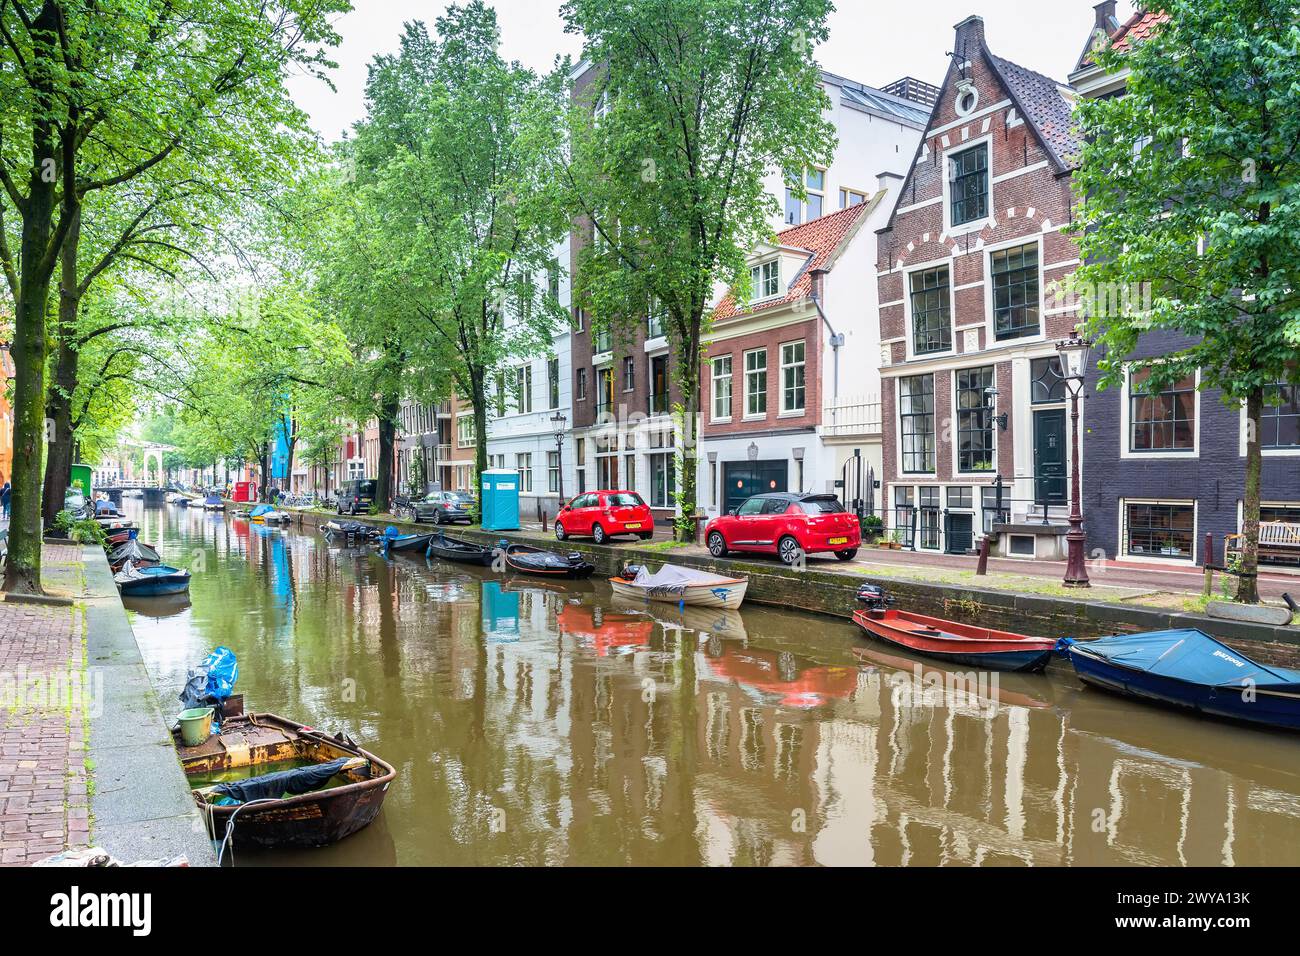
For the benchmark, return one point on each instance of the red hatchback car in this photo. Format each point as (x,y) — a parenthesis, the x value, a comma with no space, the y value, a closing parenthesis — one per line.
(603,514)
(786,525)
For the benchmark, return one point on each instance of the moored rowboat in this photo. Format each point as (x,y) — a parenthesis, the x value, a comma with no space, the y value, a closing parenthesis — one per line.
(528,560)
(674,584)
(318,817)
(462,552)
(158,579)
(965,644)
(1189,668)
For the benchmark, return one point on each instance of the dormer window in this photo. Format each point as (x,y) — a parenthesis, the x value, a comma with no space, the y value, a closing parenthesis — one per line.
(765,278)
(969,195)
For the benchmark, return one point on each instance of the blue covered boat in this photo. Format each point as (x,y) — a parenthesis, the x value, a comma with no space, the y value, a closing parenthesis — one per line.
(1188,668)
(394,540)
(150,582)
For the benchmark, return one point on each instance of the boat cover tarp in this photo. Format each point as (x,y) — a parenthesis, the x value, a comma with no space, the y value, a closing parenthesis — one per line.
(212,681)
(132,550)
(1188,655)
(391,532)
(212,499)
(273,786)
(260,510)
(675,579)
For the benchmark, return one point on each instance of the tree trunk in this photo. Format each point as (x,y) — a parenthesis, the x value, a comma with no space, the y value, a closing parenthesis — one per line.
(58,460)
(264,469)
(387,438)
(688,367)
(23,565)
(1247,586)
(479,388)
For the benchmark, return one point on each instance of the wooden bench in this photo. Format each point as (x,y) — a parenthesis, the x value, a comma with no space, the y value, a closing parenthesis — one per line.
(1277,539)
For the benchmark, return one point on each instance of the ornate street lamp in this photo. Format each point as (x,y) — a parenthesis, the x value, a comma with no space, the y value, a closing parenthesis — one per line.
(558,423)
(1074,364)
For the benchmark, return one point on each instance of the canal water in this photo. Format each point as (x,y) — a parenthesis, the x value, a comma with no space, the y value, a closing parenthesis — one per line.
(538,723)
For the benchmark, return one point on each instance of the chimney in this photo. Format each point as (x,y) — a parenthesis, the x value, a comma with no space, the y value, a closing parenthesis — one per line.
(888,180)
(1106,19)
(970,36)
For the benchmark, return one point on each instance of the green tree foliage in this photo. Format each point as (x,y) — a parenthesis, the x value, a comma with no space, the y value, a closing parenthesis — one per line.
(95,97)
(448,217)
(699,101)
(1191,189)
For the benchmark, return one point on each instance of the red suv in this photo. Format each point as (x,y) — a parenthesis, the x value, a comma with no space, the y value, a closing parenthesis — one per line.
(603,514)
(786,525)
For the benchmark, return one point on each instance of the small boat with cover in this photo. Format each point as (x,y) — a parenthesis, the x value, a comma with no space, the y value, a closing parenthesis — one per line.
(676,584)
(159,579)
(394,540)
(265,514)
(280,783)
(213,502)
(548,564)
(1188,668)
(965,644)
(454,549)
(139,554)
(348,529)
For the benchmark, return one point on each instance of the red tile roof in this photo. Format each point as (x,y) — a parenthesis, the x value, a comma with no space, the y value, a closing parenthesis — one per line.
(822,238)
(1138,28)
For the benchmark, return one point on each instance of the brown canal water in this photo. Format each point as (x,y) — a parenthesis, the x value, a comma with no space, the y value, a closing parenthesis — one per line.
(538,723)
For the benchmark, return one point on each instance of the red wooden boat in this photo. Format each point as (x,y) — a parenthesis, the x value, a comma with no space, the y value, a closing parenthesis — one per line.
(949,641)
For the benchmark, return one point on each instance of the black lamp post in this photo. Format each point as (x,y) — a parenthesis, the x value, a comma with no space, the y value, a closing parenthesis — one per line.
(1074,363)
(558,421)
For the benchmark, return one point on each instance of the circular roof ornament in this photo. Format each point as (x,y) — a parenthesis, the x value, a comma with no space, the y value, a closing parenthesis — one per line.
(967,98)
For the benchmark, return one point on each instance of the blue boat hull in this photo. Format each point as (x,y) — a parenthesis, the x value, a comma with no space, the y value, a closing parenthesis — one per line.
(1269,708)
(155,588)
(1022,661)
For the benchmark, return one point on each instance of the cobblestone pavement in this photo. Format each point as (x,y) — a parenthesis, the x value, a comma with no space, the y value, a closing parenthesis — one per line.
(44,780)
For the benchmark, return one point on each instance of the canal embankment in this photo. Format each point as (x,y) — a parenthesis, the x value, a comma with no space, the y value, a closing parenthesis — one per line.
(86,756)
(829,587)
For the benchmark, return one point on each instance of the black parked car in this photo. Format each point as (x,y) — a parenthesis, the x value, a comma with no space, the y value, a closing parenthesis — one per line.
(444,507)
(356,496)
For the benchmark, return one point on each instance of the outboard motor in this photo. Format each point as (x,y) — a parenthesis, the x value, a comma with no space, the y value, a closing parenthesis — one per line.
(630,571)
(874,597)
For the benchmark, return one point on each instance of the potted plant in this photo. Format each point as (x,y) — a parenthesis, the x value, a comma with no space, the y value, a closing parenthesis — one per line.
(872,527)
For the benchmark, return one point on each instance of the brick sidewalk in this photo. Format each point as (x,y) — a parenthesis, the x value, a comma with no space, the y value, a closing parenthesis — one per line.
(44,781)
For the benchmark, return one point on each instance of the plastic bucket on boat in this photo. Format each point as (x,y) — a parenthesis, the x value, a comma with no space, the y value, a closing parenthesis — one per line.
(196,725)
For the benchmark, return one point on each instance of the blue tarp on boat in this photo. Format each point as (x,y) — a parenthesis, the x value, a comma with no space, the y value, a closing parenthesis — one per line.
(260,510)
(1188,655)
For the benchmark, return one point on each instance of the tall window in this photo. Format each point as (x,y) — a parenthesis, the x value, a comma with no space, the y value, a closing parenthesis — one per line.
(931,311)
(766,279)
(629,374)
(602,341)
(969,195)
(916,423)
(1280,423)
(579,320)
(756,382)
(524,388)
(1161,421)
(604,389)
(465,431)
(553,279)
(1015,292)
(654,323)
(658,400)
(797,210)
(792,381)
(524,465)
(974,420)
(553,382)
(629,472)
(580,462)
(663,471)
(722,387)
(553,471)
(580,385)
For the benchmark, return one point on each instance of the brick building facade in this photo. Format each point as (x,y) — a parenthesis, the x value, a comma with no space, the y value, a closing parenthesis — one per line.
(971,386)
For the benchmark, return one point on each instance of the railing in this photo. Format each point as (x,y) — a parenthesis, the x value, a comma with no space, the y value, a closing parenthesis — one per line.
(852,417)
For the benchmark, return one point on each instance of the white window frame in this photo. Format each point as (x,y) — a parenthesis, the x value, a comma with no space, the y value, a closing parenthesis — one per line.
(1121,539)
(908,340)
(629,363)
(847,191)
(748,415)
(523,389)
(955,150)
(1241,439)
(460,430)
(524,466)
(729,379)
(801,364)
(955,448)
(759,281)
(991,341)
(1125,413)
(553,472)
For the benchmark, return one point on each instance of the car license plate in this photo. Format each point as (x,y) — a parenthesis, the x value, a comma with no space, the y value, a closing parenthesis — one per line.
(839,541)
(632,525)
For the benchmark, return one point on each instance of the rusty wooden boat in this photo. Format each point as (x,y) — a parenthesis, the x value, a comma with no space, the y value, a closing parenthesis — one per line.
(264,743)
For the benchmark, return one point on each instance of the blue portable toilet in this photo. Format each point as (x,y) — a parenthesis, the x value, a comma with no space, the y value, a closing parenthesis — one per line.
(500,496)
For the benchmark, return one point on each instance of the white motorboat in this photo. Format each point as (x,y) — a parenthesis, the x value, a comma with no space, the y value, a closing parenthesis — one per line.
(675,584)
